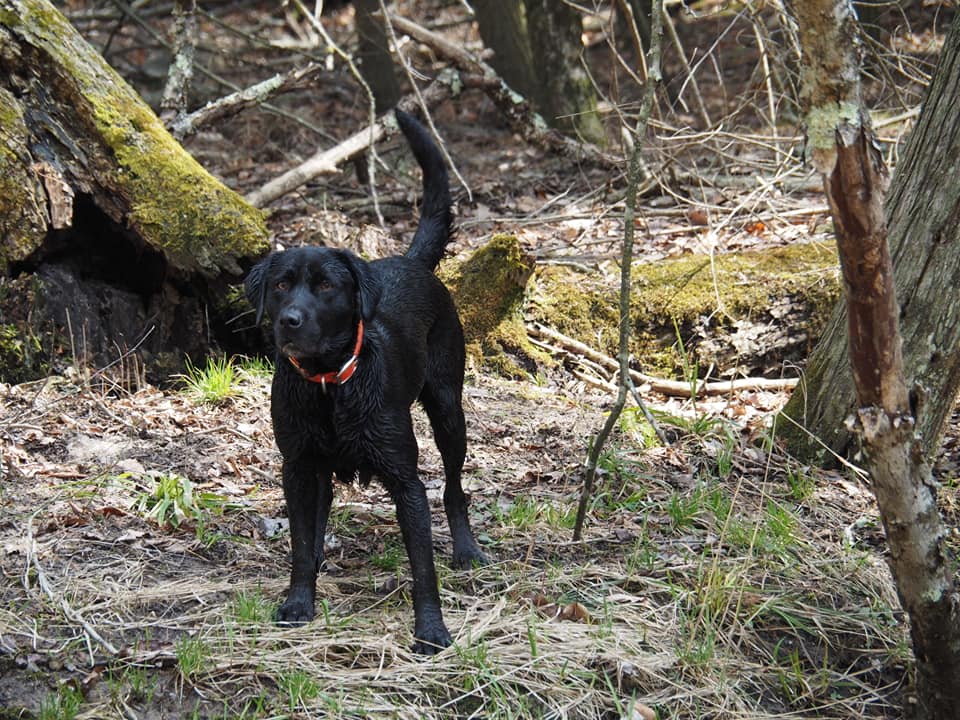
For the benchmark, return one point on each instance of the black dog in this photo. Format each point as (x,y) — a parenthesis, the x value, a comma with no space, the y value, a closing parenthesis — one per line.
(357,343)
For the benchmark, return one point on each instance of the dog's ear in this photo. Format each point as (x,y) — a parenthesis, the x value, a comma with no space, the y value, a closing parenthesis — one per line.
(255,286)
(368,289)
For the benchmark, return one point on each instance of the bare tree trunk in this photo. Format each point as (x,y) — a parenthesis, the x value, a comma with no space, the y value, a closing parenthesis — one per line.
(844,150)
(922,210)
(376,63)
(503,27)
(566,96)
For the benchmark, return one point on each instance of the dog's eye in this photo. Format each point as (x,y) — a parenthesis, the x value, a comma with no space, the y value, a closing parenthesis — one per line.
(323,285)
(282,285)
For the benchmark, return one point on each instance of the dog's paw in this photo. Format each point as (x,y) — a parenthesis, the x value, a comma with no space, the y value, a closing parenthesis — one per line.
(296,610)
(467,558)
(432,639)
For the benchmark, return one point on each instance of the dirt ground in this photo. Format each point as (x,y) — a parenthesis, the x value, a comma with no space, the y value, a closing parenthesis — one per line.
(718,578)
(100,599)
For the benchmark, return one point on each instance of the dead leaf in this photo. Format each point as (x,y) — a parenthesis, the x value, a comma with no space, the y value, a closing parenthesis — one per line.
(130,536)
(641,712)
(576,613)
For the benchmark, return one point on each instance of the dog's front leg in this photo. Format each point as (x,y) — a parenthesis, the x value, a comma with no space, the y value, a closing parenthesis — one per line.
(303,494)
(324,501)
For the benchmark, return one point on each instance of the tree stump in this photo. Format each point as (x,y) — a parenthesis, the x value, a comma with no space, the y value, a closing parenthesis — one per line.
(112,237)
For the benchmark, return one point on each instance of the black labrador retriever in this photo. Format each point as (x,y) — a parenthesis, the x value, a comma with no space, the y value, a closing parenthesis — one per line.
(357,343)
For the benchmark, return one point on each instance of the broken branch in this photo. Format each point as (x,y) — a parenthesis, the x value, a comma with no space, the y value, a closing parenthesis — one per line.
(516,109)
(327,161)
(242,99)
(673,388)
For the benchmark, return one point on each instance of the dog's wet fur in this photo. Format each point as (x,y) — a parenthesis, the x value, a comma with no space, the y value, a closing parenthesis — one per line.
(412,349)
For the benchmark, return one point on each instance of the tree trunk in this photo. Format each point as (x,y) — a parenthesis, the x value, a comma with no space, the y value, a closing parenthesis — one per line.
(503,27)
(376,63)
(112,235)
(566,95)
(844,150)
(923,216)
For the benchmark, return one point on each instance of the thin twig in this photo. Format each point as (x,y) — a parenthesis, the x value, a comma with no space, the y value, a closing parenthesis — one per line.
(405,64)
(629,215)
(626,9)
(767,75)
(314,19)
(678,46)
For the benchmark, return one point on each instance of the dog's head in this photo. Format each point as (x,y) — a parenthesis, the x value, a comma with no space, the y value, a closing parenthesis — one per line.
(314,297)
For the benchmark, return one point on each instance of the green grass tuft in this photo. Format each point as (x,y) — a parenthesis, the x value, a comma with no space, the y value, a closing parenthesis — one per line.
(212,384)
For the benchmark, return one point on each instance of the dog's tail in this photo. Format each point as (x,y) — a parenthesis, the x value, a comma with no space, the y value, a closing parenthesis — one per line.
(436,216)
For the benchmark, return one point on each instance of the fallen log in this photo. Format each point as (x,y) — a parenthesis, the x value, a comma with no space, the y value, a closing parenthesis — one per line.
(111,235)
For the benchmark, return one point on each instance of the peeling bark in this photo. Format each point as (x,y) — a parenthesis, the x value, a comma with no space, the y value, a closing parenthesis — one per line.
(923,218)
(855,182)
(855,193)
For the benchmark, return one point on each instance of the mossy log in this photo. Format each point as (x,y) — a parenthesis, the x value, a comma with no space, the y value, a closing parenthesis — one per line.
(489,288)
(102,214)
(743,314)
(735,315)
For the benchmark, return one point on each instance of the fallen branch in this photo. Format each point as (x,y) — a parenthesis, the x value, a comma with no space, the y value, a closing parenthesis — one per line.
(173,104)
(516,109)
(673,388)
(327,161)
(235,102)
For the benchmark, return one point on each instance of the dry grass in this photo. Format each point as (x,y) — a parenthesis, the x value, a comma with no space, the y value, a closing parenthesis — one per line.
(693,593)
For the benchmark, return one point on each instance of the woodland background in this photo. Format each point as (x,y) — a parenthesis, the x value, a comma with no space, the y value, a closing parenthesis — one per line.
(142,539)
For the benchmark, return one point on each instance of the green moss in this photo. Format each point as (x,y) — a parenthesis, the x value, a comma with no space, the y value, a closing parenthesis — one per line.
(19,352)
(22,342)
(174,204)
(738,285)
(488,289)
(22,219)
(686,294)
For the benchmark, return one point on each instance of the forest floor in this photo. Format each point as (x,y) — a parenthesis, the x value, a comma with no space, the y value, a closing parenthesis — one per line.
(142,538)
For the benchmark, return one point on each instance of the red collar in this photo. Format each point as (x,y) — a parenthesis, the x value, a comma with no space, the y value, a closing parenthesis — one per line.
(335,377)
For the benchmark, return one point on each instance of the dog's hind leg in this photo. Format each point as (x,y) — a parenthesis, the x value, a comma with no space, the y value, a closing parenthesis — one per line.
(396,466)
(443,405)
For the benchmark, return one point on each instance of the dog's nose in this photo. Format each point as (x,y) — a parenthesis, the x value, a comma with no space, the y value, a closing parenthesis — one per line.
(291,318)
